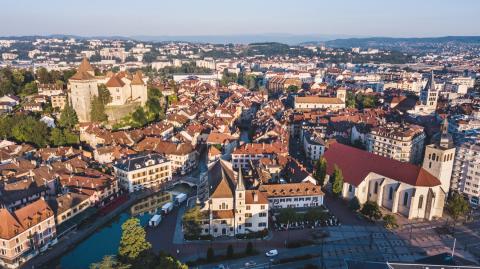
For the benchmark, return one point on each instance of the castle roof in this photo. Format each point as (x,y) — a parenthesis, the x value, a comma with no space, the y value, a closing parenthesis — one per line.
(114,81)
(137,79)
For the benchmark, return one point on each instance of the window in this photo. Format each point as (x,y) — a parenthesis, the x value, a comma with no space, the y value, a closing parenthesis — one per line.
(263,214)
(405,199)
(375,190)
(349,188)
(248,207)
(390,193)
(262,224)
(420,202)
(248,224)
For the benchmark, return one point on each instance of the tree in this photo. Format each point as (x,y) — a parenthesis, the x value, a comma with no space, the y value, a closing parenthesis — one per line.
(133,242)
(321,171)
(109,262)
(57,138)
(210,254)
(165,261)
(390,222)
(292,88)
(354,204)
(371,210)
(457,206)
(337,181)
(249,249)
(315,214)
(30,130)
(104,94)
(68,117)
(350,100)
(139,117)
(287,216)
(192,222)
(230,251)
(97,111)
(153,106)
(227,77)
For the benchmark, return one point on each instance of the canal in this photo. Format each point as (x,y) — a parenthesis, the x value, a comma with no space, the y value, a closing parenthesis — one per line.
(106,240)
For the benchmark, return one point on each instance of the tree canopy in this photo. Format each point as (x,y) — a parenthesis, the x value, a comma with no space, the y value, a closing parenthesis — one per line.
(133,242)
(457,206)
(320,171)
(371,210)
(337,178)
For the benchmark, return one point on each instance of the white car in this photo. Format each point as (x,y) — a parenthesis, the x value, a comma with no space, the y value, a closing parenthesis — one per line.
(250,264)
(272,253)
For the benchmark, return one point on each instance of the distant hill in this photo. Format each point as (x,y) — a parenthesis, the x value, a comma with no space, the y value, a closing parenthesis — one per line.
(388,42)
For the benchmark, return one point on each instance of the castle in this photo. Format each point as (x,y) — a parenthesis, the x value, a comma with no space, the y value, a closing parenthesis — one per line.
(127,91)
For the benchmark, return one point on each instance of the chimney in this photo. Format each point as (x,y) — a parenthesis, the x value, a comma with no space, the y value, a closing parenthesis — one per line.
(255,196)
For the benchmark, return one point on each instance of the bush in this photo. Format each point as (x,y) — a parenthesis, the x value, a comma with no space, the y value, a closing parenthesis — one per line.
(390,222)
(354,204)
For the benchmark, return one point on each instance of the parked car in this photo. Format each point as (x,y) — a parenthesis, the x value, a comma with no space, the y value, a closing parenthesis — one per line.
(272,253)
(250,264)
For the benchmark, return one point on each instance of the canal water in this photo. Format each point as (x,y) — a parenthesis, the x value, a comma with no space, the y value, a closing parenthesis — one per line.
(106,240)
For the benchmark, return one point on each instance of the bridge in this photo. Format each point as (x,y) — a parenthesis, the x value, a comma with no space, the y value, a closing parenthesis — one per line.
(190,181)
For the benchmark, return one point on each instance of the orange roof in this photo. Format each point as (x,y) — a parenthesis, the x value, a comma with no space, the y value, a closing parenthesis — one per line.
(137,79)
(114,81)
(291,189)
(223,214)
(223,190)
(261,198)
(85,66)
(23,218)
(318,100)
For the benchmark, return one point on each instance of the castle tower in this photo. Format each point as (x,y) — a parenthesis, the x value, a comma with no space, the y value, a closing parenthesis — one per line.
(138,88)
(240,204)
(342,94)
(82,87)
(439,157)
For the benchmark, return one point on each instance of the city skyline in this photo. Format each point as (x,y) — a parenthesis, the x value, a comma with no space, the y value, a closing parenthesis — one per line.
(211,18)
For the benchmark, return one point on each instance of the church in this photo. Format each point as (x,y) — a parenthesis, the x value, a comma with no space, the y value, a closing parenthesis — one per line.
(127,91)
(416,192)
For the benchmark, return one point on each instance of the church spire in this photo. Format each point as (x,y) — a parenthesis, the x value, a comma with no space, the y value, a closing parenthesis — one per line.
(240,184)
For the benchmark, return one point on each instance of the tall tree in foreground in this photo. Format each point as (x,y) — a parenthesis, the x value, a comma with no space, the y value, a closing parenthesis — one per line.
(457,206)
(109,262)
(68,117)
(97,111)
(320,171)
(133,242)
(337,186)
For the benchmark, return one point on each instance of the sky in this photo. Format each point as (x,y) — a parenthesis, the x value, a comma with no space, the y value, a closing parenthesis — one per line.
(394,18)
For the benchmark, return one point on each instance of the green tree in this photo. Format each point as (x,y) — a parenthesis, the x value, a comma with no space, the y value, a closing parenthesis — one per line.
(30,130)
(133,242)
(354,204)
(371,210)
(390,222)
(210,254)
(192,220)
(320,171)
(71,138)
(165,261)
(57,138)
(6,125)
(109,262)
(457,206)
(350,100)
(29,88)
(315,214)
(227,77)
(68,117)
(104,94)
(337,186)
(153,107)
(230,251)
(97,110)
(249,249)
(287,216)
(292,88)
(154,93)
(139,117)
(172,98)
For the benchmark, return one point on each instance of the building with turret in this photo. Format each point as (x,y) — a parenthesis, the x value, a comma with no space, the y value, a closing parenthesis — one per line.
(127,91)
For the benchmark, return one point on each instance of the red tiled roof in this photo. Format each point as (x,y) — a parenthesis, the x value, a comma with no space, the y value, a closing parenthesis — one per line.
(356,164)
(114,81)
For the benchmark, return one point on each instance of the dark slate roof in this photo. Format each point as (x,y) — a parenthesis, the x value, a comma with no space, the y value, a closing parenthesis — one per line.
(139,161)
